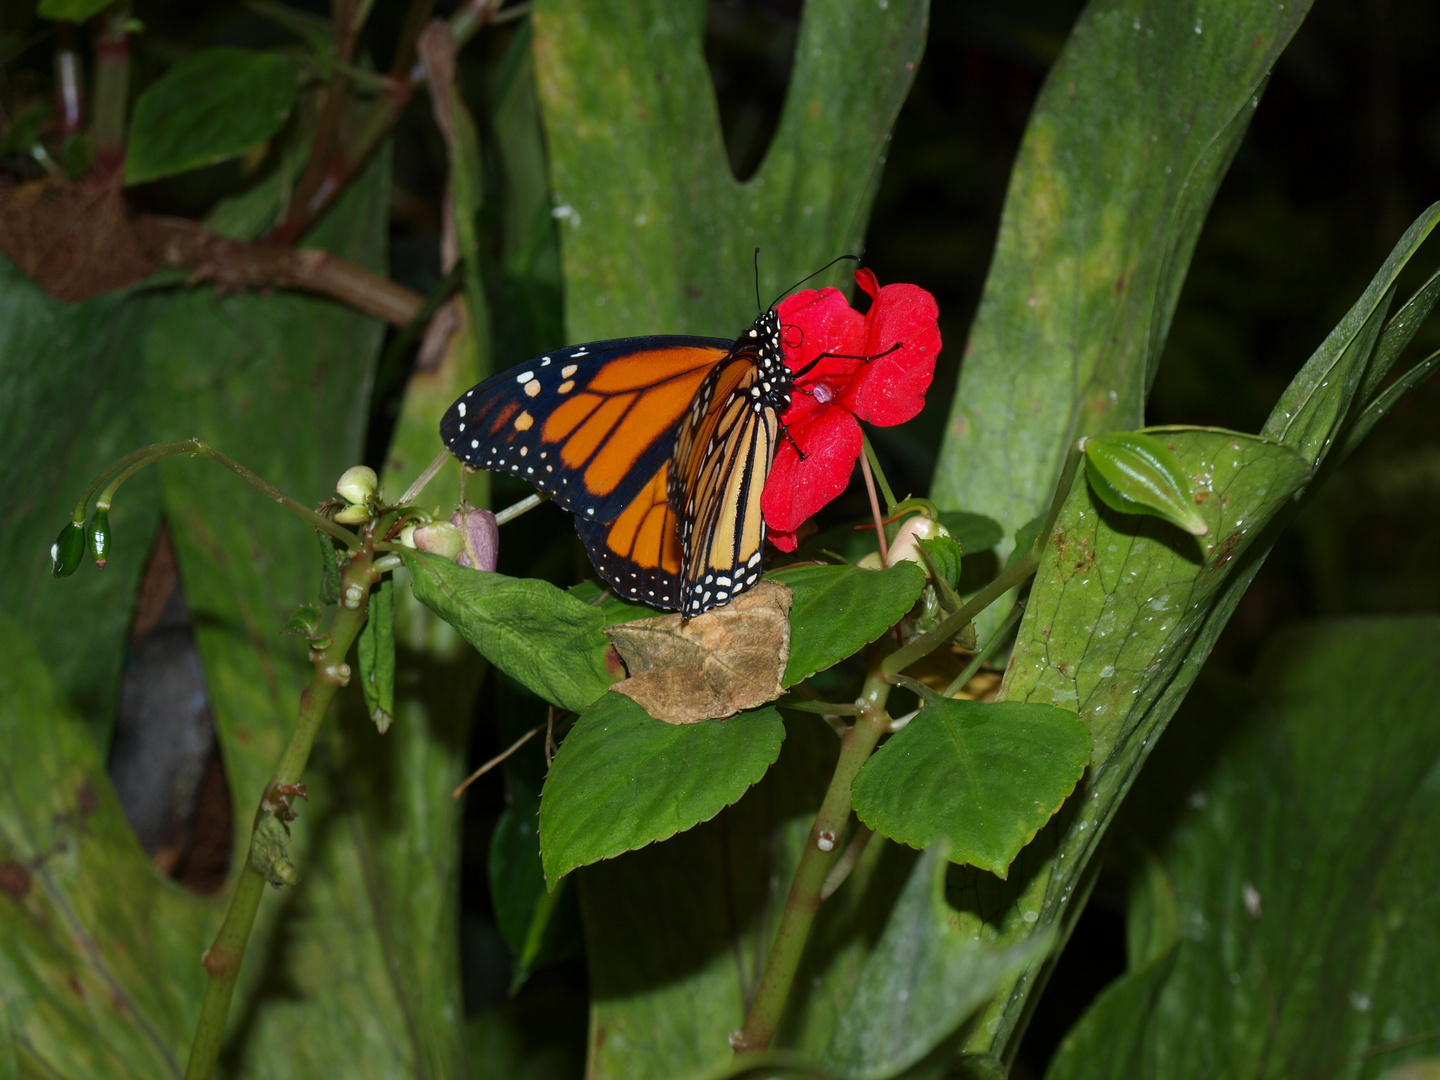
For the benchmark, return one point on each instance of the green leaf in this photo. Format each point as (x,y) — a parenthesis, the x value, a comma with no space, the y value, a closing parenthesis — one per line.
(923,978)
(944,557)
(1131,136)
(76,11)
(375,650)
(1317,403)
(1136,473)
(214,105)
(983,778)
(1025,538)
(615,609)
(657,233)
(84,918)
(1122,612)
(330,560)
(1302,860)
(973,532)
(623,780)
(539,635)
(304,620)
(840,609)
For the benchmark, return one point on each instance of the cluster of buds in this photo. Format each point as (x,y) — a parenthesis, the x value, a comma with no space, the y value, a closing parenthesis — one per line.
(470,538)
(359,487)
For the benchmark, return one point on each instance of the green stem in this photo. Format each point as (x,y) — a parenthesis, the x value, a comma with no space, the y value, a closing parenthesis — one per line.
(223,959)
(112,88)
(132,463)
(856,746)
(1015,574)
(996,640)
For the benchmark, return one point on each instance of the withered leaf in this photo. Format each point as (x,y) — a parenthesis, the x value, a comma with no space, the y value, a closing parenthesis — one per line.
(716,664)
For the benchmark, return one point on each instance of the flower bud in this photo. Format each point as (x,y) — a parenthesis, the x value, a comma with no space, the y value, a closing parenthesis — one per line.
(407,537)
(870,561)
(482,538)
(68,550)
(440,538)
(357,484)
(915,529)
(356,514)
(98,535)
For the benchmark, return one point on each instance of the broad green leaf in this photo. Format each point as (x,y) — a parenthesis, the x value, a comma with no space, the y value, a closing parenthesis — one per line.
(615,609)
(1314,408)
(1122,612)
(623,780)
(217,104)
(656,233)
(1302,863)
(1129,141)
(68,418)
(375,651)
(539,635)
(840,609)
(945,557)
(924,977)
(982,778)
(76,11)
(1135,473)
(973,532)
(98,952)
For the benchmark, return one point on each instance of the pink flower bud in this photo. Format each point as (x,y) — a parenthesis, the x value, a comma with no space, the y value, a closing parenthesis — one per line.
(482,538)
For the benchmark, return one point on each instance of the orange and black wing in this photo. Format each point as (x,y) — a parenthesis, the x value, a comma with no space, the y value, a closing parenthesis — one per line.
(719,466)
(592,425)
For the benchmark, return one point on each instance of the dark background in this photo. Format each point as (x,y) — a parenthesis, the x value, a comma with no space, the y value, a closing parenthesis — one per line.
(1343,153)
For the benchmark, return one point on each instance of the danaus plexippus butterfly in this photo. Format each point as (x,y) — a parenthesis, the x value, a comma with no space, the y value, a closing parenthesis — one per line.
(660,446)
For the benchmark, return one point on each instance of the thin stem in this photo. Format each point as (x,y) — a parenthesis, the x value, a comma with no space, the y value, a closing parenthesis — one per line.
(875,509)
(1062,492)
(824,708)
(514,510)
(134,462)
(413,491)
(112,88)
(846,862)
(874,462)
(496,760)
(856,746)
(223,959)
(1014,574)
(991,647)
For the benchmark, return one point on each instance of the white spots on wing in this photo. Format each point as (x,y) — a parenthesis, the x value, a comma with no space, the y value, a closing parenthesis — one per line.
(474,444)
(524,377)
(577,354)
(462,427)
(460,408)
(524,450)
(545,361)
(569,369)
(566,386)
(532,389)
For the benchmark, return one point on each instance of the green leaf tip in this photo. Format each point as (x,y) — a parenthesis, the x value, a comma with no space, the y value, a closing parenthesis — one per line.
(1136,473)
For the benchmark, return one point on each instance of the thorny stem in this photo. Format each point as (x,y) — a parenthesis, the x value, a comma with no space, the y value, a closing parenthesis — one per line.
(133,462)
(856,746)
(223,959)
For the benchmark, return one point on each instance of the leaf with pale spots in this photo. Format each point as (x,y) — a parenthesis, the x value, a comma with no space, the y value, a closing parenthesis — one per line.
(982,778)
(623,779)
(1296,839)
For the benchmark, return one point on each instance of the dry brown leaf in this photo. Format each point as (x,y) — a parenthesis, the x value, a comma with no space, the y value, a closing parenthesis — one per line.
(713,665)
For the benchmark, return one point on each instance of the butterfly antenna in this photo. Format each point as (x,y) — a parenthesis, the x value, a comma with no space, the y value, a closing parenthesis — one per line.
(817,273)
(757,281)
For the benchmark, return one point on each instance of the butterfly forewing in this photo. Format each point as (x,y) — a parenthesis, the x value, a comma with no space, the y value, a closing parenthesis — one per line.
(590,424)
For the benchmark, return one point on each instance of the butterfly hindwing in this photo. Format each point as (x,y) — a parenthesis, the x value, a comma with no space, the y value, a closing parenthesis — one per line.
(591,425)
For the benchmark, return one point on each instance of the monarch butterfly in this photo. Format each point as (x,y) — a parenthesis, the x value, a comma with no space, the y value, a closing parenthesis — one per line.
(660,447)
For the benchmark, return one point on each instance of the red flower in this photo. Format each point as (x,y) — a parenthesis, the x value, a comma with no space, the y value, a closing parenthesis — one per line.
(831,397)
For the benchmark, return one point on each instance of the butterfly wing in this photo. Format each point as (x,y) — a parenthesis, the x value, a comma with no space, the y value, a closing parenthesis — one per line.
(718,469)
(592,425)
(639,552)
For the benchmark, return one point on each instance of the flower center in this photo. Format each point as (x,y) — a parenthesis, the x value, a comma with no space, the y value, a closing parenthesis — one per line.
(824,392)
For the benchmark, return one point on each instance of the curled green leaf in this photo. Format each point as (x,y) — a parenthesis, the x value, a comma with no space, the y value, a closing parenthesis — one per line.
(1136,473)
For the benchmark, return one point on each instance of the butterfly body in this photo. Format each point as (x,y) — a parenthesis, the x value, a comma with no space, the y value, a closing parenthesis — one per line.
(660,447)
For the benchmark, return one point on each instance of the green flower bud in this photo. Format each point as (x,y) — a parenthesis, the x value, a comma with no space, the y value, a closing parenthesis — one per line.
(440,538)
(355,514)
(357,484)
(68,550)
(407,537)
(98,535)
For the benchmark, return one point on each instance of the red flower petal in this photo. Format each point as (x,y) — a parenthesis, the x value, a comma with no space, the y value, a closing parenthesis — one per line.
(796,489)
(891,389)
